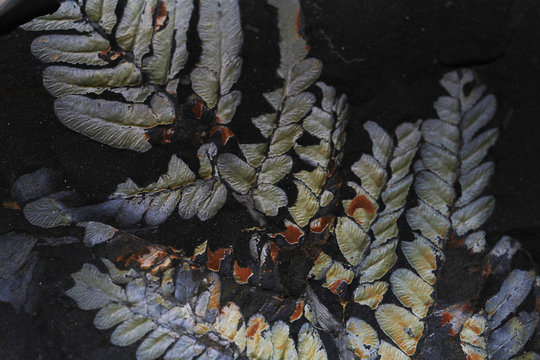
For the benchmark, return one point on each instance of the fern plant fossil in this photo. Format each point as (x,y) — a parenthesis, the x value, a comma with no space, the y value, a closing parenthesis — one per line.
(336,267)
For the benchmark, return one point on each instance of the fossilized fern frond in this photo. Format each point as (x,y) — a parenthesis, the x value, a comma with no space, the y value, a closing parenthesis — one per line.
(265,164)
(138,55)
(327,275)
(178,313)
(452,155)
(367,236)
(140,58)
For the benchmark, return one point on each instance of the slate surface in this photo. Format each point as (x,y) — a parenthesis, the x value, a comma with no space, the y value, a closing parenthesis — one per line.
(386,55)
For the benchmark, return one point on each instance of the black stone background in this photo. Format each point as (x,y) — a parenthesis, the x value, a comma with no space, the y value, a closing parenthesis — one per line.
(386,55)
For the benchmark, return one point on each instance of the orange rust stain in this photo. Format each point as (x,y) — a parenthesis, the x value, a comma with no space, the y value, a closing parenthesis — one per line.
(11,204)
(252,330)
(214,258)
(279,309)
(110,55)
(213,302)
(226,133)
(137,256)
(116,55)
(334,287)
(484,271)
(104,52)
(292,234)
(197,110)
(477,330)
(454,243)
(360,202)
(446,319)
(297,311)
(161,16)
(320,224)
(241,274)
(299,24)
(44,40)
(475,357)
(165,264)
(467,308)
(274,251)
(332,166)
(167,135)
(151,257)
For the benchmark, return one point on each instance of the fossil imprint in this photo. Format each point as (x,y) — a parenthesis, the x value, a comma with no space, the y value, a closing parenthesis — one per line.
(368,253)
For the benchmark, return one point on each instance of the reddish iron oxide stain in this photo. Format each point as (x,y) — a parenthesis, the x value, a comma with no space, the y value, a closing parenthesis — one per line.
(320,224)
(253,329)
(360,202)
(477,330)
(279,309)
(297,311)
(161,16)
(11,205)
(274,251)
(454,243)
(136,256)
(104,52)
(292,234)
(484,271)
(475,357)
(242,274)
(167,135)
(300,27)
(446,319)
(151,257)
(213,303)
(332,166)
(107,54)
(214,258)
(334,287)
(299,24)
(467,308)
(197,110)
(226,133)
